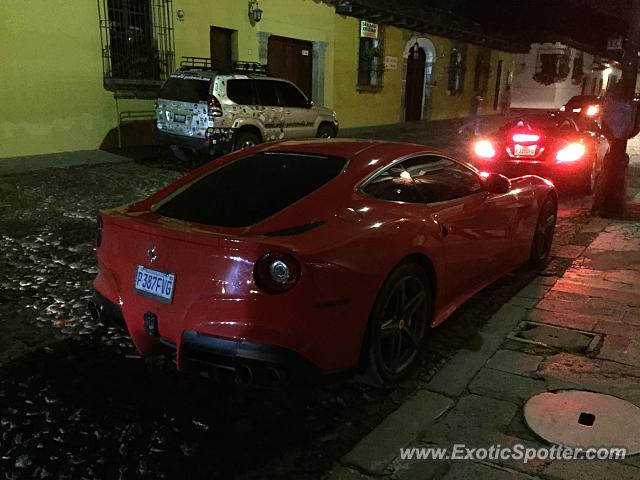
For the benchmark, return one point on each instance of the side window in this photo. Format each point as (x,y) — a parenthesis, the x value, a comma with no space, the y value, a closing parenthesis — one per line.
(393,184)
(439,179)
(266,92)
(240,92)
(290,96)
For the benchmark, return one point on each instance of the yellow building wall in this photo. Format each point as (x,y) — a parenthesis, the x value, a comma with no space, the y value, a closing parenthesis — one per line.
(363,108)
(51,93)
(51,87)
(308,20)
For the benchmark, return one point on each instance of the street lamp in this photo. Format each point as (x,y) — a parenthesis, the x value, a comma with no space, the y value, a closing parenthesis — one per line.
(255,12)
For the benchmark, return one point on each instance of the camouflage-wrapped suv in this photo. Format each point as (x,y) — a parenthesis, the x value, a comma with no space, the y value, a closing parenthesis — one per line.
(201,111)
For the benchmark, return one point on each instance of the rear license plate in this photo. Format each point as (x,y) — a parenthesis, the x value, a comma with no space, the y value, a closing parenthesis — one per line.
(154,284)
(179,118)
(525,150)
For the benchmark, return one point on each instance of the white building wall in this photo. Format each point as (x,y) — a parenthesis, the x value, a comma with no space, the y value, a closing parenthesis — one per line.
(527,93)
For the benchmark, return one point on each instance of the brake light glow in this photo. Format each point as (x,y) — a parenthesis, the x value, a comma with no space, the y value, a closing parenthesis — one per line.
(525,137)
(592,111)
(571,153)
(484,149)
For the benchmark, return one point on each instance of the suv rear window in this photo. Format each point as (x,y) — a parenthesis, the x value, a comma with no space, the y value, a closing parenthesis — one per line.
(185,89)
(251,188)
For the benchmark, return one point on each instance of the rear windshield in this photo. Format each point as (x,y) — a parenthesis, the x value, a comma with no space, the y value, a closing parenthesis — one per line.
(544,122)
(251,188)
(581,101)
(186,89)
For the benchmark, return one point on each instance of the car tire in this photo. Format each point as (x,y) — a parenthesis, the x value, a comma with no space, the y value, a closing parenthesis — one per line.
(398,326)
(326,131)
(185,154)
(545,229)
(245,139)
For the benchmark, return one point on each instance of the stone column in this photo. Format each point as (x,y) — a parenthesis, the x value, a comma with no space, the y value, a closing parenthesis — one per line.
(263,47)
(318,73)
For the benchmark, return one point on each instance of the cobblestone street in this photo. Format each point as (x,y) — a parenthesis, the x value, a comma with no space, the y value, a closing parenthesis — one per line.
(76,401)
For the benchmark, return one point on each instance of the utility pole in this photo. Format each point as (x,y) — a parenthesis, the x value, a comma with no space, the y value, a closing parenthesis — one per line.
(611,193)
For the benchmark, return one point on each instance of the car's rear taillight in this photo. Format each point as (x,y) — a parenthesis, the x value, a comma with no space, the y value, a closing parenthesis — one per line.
(525,137)
(563,108)
(484,149)
(276,272)
(592,110)
(571,153)
(215,109)
(99,225)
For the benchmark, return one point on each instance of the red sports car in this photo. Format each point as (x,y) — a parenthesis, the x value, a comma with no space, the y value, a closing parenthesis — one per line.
(567,151)
(314,256)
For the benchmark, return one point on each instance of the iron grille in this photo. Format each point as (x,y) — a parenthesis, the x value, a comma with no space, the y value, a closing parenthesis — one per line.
(137,43)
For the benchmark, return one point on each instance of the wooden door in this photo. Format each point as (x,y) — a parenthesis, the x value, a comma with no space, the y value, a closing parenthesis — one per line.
(292,60)
(220,44)
(415,84)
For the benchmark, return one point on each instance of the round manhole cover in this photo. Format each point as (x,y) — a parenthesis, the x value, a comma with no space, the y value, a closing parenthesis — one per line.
(575,418)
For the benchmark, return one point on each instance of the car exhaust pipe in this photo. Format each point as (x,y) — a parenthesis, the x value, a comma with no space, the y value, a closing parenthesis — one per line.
(244,375)
(275,376)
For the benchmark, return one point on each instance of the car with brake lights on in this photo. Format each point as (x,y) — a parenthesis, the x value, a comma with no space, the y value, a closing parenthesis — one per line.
(567,152)
(298,258)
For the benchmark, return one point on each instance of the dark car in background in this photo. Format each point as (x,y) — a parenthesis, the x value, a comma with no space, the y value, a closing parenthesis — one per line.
(563,149)
(583,106)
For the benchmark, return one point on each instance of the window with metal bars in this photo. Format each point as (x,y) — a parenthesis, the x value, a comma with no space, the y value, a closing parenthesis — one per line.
(371,61)
(456,72)
(137,43)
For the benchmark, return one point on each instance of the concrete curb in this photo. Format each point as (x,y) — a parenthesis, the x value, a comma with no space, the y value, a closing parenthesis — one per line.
(17,165)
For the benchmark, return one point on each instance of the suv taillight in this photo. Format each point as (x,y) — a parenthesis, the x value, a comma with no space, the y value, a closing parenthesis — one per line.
(215,109)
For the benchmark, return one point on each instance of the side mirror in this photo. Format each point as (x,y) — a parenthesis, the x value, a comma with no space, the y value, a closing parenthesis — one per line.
(496,183)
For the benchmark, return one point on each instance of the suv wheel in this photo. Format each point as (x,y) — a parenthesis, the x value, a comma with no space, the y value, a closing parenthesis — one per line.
(326,131)
(184,154)
(245,140)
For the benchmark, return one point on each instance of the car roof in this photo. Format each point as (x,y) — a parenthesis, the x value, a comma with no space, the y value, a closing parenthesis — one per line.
(364,156)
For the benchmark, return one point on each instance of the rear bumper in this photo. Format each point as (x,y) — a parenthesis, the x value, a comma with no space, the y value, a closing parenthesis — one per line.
(559,174)
(251,362)
(200,144)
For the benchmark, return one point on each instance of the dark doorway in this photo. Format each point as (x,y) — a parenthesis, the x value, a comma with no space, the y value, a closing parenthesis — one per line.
(496,95)
(220,42)
(415,84)
(292,60)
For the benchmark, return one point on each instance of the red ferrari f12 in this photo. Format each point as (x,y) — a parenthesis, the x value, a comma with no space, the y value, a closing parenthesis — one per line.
(301,257)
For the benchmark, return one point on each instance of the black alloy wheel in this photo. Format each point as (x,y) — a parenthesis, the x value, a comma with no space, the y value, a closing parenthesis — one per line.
(400,319)
(545,229)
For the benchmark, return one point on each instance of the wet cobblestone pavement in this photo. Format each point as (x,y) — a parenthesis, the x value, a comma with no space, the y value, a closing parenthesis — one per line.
(76,401)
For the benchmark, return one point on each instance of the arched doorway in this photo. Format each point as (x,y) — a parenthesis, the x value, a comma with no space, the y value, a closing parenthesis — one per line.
(414,90)
(419,79)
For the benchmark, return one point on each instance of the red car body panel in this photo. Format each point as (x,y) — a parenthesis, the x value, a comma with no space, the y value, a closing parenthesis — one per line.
(466,244)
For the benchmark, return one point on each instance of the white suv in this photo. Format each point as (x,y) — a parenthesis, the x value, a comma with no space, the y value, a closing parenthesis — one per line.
(203,111)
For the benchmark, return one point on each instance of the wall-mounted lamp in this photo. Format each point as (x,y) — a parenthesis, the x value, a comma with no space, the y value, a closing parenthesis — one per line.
(255,12)
(180,15)
(416,52)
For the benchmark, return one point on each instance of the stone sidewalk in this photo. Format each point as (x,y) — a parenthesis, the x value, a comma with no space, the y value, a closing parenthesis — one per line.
(579,330)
